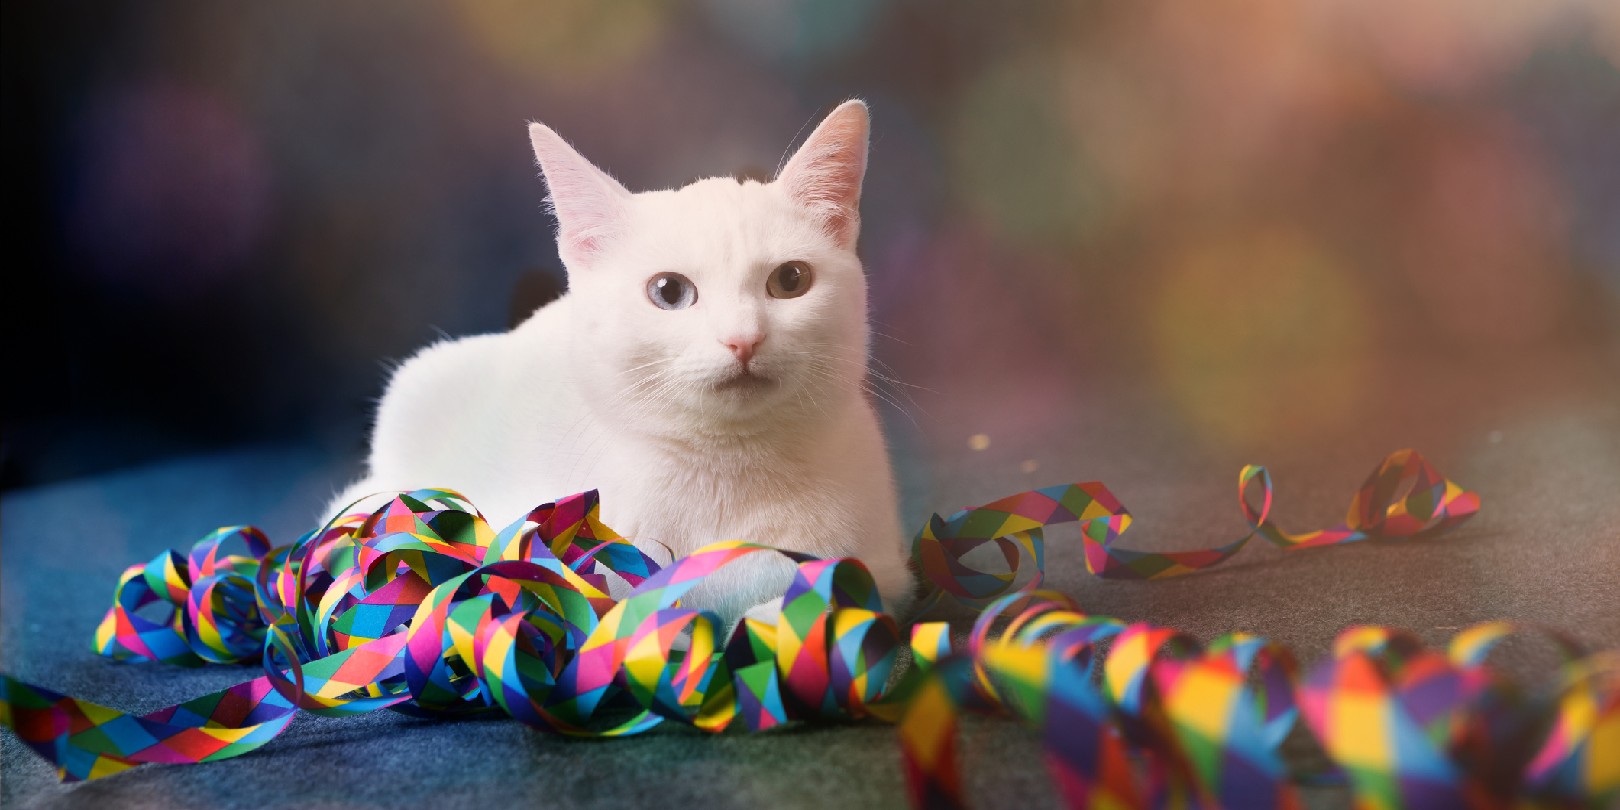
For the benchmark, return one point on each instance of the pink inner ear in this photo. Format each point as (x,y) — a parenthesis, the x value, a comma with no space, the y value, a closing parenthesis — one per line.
(825,175)
(587,202)
(585,215)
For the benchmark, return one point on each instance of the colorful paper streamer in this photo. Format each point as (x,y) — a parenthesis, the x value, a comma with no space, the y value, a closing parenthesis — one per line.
(422,607)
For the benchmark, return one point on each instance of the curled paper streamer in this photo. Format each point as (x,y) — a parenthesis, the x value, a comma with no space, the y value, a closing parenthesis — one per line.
(422,607)
(1133,715)
(1404,497)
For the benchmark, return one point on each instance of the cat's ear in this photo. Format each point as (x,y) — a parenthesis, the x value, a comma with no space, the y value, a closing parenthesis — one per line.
(589,204)
(824,176)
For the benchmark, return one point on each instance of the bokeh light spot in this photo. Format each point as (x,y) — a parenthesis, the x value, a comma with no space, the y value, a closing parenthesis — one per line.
(1260,336)
(563,41)
(1484,244)
(1016,163)
(797,32)
(169,190)
(1445,45)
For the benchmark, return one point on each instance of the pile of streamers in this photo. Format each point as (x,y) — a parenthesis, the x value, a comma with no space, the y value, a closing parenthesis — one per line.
(423,608)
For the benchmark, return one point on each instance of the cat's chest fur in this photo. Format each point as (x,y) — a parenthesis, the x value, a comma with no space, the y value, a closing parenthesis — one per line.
(502,419)
(674,505)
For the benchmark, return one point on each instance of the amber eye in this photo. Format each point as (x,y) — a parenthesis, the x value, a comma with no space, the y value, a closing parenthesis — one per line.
(671,291)
(790,280)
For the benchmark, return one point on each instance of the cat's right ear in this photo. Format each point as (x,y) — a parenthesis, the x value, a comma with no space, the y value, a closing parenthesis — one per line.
(589,204)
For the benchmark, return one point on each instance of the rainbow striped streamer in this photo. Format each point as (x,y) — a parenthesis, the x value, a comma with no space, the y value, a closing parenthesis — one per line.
(1139,716)
(1405,497)
(423,608)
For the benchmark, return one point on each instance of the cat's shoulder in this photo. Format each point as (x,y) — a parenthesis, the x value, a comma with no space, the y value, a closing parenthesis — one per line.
(442,362)
(478,376)
(474,358)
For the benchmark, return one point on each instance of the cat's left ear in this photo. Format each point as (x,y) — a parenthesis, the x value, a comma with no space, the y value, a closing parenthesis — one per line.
(825,175)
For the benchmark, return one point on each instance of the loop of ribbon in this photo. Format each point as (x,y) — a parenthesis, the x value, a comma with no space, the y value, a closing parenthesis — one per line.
(1405,497)
(423,608)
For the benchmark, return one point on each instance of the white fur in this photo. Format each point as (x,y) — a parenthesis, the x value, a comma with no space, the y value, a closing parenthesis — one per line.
(602,389)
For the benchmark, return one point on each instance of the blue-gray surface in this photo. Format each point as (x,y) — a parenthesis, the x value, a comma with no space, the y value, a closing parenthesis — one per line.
(1545,548)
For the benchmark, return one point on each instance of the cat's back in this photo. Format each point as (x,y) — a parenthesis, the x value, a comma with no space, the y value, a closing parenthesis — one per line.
(451,411)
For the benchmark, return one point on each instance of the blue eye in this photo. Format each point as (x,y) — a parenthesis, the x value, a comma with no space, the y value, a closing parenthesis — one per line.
(671,291)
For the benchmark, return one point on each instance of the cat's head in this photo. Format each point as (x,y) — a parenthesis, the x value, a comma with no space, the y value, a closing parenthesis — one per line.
(722,307)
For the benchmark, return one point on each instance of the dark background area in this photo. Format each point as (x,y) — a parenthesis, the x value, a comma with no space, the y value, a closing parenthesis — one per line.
(1277,223)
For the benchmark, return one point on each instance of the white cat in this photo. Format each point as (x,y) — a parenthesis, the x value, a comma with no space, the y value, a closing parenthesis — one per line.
(704,371)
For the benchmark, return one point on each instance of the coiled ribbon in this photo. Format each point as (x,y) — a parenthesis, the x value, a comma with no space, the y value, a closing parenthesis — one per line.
(423,608)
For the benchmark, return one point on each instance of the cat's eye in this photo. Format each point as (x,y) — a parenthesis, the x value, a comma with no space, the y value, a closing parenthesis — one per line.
(671,291)
(789,280)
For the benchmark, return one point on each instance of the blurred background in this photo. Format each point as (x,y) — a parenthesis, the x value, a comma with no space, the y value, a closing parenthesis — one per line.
(1265,227)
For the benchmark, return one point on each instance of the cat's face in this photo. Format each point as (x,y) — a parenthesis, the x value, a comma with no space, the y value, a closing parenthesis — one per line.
(723,307)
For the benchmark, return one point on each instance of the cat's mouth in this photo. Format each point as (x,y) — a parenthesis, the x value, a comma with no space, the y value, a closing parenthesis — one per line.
(743,381)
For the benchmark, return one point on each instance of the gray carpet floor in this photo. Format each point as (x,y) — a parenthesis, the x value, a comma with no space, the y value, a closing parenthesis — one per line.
(1546,548)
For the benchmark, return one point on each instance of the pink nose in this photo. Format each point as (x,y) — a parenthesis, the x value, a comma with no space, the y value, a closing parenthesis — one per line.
(743,346)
